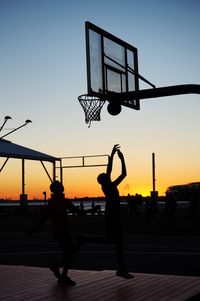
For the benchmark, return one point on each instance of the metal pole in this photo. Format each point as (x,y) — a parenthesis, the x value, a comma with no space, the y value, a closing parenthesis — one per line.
(5,120)
(26,122)
(23,178)
(153,172)
(126,98)
(54,171)
(4,164)
(61,171)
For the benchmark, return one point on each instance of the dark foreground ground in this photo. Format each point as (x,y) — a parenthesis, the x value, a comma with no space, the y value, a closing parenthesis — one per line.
(158,245)
(181,223)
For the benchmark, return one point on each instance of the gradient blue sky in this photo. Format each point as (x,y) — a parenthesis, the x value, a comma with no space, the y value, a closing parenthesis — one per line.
(43,70)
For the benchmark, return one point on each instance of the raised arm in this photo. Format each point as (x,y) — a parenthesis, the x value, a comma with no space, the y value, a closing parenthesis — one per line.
(123,172)
(110,160)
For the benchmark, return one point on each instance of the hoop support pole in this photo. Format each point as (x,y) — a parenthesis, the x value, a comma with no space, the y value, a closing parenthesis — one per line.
(154,93)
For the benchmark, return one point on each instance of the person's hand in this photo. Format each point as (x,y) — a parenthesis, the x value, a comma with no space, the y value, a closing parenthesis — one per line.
(120,155)
(116,147)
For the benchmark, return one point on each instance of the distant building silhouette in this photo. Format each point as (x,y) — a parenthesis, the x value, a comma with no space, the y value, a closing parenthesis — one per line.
(186,193)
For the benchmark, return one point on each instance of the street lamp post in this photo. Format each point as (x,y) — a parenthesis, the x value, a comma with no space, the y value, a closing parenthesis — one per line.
(23,196)
(5,120)
(26,122)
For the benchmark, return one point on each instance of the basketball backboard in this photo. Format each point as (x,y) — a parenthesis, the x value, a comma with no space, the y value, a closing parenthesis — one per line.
(112,66)
(112,75)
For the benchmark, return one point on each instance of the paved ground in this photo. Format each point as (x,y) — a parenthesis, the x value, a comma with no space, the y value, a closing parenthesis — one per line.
(144,254)
(165,268)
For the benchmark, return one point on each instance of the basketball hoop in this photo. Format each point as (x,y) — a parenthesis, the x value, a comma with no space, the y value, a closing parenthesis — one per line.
(92,106)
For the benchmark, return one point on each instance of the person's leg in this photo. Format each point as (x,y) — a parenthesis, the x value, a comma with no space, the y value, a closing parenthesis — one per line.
(69,251)
(118,236)
(115,233)
(54,267)
(65,243)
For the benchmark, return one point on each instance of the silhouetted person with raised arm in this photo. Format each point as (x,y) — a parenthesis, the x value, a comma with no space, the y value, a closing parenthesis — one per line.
(114,230)
(58,219)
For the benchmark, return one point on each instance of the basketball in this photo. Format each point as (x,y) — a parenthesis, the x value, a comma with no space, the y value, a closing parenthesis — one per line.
(114,108)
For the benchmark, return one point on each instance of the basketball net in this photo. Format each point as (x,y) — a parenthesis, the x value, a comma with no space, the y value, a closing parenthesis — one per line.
(92,106)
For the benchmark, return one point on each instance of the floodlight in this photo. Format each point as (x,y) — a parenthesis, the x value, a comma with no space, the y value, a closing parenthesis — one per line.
(26,122)
(6,118)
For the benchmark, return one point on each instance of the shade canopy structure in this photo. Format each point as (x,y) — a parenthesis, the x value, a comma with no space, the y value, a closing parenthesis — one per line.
(14,151)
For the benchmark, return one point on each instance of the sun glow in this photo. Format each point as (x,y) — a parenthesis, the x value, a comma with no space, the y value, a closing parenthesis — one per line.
(82,182)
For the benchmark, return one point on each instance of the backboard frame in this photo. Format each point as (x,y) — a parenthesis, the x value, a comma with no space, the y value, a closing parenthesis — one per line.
(126,74)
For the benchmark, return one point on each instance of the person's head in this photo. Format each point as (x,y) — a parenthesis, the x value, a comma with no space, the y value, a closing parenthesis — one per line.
(103,178)
(56,187)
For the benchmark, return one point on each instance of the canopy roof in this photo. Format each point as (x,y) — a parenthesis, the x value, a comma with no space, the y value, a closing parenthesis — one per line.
(12,150)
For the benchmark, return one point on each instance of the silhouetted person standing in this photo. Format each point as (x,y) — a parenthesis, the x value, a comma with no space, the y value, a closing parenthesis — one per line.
(58,219)
(114,230)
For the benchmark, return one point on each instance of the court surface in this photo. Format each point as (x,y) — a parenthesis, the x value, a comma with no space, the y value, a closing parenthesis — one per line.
(33,283)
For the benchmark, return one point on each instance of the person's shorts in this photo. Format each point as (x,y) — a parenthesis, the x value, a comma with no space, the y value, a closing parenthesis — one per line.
(64,241)
(114,229)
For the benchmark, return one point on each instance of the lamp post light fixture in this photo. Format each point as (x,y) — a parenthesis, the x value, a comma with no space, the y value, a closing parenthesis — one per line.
(6,118)
(23,196)
(26,122)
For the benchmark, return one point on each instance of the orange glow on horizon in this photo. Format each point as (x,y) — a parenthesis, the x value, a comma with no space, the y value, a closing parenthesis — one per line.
(81,182)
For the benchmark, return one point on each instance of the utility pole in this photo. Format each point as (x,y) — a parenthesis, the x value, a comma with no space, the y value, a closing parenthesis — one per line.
(153,173)
(154,193)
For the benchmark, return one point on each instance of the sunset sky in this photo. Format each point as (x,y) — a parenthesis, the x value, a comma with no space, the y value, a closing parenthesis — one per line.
(43,70)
